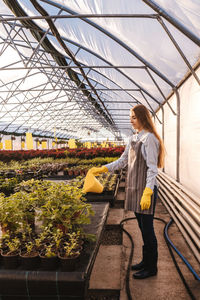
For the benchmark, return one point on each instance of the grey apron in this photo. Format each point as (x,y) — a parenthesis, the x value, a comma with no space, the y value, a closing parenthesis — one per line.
(136,180)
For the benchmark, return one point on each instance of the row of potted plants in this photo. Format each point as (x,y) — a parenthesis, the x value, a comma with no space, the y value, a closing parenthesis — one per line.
(58,164)
(37,168)
(50,249)
(43,217)
(95,152)
(20,155)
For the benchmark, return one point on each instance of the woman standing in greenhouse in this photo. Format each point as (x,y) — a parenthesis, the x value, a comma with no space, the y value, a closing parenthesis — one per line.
(143,154)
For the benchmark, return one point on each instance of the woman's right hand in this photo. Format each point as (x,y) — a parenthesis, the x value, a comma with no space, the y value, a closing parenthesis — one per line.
(96,171)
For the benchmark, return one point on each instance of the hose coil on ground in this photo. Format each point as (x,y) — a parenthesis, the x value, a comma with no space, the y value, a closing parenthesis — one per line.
(170,245)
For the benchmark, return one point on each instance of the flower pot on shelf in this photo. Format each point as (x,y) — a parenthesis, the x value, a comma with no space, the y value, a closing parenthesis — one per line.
(68,264)
(48,263)
(10,248)
(76,172)
(29,261)
(70,173)
(10,260)
(48,258)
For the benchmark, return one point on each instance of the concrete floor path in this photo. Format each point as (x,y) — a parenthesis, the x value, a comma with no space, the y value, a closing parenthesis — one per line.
(108,275)
(167,283)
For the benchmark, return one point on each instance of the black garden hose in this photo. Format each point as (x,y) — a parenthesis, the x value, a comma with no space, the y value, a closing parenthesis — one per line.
(170,245)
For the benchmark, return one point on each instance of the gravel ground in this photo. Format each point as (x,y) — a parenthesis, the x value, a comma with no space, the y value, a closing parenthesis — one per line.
(112,236)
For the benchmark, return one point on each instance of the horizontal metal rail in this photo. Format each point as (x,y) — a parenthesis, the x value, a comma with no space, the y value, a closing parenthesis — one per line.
(72,67)
(79,16)
(184,208)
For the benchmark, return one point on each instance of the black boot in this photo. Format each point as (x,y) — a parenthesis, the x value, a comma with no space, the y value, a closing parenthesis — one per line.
(145,274)
(140,266)
(150,268)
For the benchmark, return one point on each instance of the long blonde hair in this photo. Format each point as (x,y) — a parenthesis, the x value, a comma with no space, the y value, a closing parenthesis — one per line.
(144,117)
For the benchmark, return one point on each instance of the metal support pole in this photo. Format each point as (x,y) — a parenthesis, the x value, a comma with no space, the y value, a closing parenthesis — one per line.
(163,129)
(178,136)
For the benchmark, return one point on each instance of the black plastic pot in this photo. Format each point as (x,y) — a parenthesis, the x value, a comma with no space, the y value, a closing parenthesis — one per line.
(10,261)
(29,262)
(48,263)
(68,264)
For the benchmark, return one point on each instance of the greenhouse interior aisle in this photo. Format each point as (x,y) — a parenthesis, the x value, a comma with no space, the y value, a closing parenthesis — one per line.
(108,278)
(98,98)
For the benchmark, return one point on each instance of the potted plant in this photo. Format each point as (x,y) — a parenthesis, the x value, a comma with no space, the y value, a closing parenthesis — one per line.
(29,256)
(70,172)
(10,252)
(76,171)
(70,252)
(48,257)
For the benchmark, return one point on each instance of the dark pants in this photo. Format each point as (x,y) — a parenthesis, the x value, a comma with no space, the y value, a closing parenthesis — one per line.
(145,222)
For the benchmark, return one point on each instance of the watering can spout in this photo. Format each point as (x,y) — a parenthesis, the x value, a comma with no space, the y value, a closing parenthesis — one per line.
(91,184)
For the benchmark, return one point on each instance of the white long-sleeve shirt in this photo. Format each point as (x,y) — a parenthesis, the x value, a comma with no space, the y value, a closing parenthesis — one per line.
(150,151)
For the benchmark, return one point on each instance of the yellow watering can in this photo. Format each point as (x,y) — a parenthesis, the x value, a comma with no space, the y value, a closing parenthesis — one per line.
(91,184)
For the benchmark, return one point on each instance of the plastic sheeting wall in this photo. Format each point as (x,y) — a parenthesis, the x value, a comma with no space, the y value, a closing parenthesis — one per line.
(189,169)
(190,135)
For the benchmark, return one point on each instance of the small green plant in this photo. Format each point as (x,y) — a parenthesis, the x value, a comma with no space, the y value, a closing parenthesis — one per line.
(71,247)
(13,245)
(38,243)
(57,238)
(49,251)
(30,247)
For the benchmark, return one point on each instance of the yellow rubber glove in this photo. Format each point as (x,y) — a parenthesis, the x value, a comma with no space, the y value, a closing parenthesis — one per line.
(96,171)
(145,202)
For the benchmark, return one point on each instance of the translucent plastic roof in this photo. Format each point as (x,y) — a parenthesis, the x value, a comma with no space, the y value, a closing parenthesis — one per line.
(78,70)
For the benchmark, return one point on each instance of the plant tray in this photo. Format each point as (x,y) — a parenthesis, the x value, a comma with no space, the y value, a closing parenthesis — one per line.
(107,196)
(53,285)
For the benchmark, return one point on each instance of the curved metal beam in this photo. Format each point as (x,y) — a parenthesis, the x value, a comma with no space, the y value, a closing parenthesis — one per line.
(113,37)
(98,56)
(106,61)
(59,58)
(173,21)
(56,34)
(103,59)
